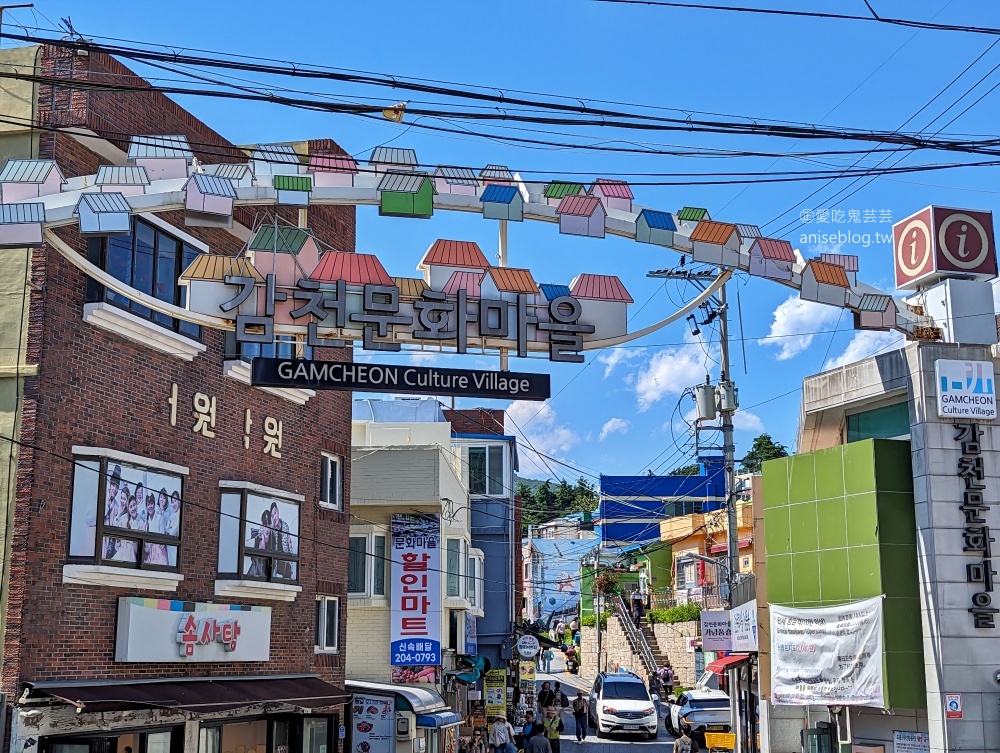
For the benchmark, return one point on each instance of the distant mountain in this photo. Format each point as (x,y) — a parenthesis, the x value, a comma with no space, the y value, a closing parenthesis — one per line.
(531,483)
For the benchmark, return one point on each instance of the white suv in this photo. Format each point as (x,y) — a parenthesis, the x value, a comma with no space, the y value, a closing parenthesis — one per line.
(621,703)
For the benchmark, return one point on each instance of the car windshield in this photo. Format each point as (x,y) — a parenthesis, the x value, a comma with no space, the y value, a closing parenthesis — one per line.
(709,703)
(628,691)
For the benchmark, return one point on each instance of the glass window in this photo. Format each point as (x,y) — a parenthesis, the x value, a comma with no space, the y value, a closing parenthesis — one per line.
(356,562)
(453,566)
(148,260)
(269,550)
(331,482)
(328,623)
(470,576)
(486,470)
(133,511)
(315,734)
(284,346)
(378,567)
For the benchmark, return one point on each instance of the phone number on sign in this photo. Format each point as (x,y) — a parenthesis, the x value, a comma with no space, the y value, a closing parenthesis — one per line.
(399,658)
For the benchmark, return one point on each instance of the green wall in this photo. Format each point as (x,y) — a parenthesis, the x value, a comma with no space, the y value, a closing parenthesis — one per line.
(839,526)
(659,559)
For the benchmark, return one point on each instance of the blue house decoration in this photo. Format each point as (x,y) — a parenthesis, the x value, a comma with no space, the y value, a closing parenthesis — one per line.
(103,214)
(652,226)
(502,203)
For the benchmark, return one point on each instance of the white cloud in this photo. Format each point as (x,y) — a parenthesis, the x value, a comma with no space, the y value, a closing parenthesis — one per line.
(796,317)
(865,344)
(669,372)
(617,356)
(613,426)
(747,421)
(537,426)
(423,358)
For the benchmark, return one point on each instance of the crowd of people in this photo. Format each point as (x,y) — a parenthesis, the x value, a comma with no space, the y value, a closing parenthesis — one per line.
(137,508)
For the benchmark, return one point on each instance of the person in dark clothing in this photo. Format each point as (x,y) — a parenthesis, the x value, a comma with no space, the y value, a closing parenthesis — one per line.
(538,744)
(580,716)
(530,727)
(545,696)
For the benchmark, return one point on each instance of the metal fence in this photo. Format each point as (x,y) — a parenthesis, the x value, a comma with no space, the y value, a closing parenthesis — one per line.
(712,596)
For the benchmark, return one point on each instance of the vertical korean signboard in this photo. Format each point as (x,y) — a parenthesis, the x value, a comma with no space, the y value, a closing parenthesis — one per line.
(415,623)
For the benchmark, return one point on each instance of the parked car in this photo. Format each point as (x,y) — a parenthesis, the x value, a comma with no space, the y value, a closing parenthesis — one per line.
(621,703)
(699,711)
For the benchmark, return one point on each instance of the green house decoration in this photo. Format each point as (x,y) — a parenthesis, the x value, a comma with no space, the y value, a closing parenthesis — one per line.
(293,190)
(557,190)
(406,195)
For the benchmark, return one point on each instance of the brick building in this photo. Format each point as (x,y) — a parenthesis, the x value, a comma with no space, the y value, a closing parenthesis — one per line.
(175,549)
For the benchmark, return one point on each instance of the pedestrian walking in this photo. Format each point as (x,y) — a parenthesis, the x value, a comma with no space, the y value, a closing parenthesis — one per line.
(502,736)
(685,744)
(552,727)
(559,699)
(561,632)
(636,599)
(530,728)
(668,679)
(538,744)
(580,713)
(545,697)
(574,627)
(547,657)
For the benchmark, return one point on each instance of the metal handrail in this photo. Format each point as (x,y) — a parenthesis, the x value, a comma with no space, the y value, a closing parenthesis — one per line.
(635,635)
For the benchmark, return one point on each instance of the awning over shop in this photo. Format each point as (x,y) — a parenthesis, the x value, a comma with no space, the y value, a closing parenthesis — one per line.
(543,640)
(420,700)
(439,720)
(197,695)
(719,666)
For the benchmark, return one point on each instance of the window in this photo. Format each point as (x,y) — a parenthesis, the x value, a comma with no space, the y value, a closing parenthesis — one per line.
(366,566)
(453,567)
(150,261)
(332,482)
(258,537)
(125,515)
(474,578)
(284,346)
(486,471)
(470,578)
(328,623)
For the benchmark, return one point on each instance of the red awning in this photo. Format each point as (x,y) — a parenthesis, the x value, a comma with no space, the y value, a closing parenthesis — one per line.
(202,695)
(719,666)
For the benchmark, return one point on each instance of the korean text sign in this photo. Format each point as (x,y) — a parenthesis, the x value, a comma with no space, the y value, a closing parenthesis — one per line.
(374,721)
(827,655)
(716,631)
(415,623)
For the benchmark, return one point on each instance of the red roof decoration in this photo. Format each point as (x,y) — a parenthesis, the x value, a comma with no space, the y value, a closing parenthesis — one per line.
(354,269)
(613,189)
(599,288)
(578,205)
(332,163)
(445,253)
(513,280)
(470,282)
(774,249)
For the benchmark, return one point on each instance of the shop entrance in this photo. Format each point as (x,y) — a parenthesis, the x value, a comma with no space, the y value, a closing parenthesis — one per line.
(298,734)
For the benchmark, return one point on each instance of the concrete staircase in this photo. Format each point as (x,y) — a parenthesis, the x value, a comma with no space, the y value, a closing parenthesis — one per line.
(654,646)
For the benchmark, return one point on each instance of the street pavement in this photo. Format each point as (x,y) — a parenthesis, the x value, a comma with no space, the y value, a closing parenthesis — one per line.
(618,744)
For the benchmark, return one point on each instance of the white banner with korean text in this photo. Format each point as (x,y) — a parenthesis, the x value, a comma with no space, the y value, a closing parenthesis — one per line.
(827,655)
(415,623)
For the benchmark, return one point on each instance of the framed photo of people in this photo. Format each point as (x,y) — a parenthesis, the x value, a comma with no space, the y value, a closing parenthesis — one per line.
(259,537)
(126,514)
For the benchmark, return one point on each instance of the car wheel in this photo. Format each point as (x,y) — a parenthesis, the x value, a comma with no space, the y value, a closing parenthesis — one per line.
(668,725)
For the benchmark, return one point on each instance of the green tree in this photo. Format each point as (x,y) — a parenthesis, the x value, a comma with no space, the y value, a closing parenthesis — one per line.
(686,470)
(763,448)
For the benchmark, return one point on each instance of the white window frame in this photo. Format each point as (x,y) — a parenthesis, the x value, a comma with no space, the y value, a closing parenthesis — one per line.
(371,561)
(320,642)
(476,603)
(462,554)
(504,486)
(330,462)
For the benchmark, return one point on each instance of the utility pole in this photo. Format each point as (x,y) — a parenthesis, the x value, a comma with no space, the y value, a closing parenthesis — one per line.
(727,405)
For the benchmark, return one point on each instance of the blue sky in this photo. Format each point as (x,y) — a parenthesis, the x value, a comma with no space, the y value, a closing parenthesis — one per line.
(616,414)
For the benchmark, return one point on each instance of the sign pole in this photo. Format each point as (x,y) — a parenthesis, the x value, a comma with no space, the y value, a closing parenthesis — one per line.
(502,259)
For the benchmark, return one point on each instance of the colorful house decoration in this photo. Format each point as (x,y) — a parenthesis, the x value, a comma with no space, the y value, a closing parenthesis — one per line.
(410,290)
(614,194)
(103,214)
(825,283)
(460,180)
(772,258)
(875,311)
(328,169)
(496,175)
(23,179)
(848,261)
(163,157)
(354,269)
(716,243)
(293,190)
(205,278)
(557,190)
(505,283)
(289,253)
(390,159)
(605,303)
(406,195)
(691,215)
(21,225)
(445,257)
(748,232)
(127,180)
(652,226)
(240,174)
(581,215)
(502,202)
(552,291)
(275,159)
(470,282)
(209,201)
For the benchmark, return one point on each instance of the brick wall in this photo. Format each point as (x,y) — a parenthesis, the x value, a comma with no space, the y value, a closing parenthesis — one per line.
(97,389)
(673,642)
(476,421)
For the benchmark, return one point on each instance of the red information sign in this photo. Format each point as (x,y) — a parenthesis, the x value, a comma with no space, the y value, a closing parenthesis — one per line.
(940,242)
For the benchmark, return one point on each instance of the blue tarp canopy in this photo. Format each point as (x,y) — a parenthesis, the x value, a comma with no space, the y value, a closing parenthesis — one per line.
(439,720)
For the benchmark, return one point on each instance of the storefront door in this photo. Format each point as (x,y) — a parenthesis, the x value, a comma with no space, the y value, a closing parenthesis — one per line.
(164,740)
(309,734)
